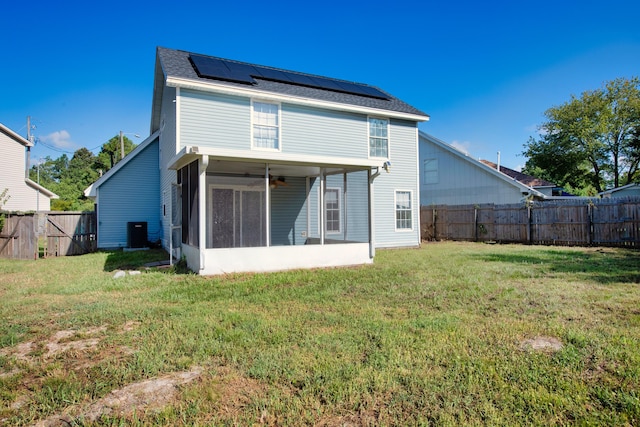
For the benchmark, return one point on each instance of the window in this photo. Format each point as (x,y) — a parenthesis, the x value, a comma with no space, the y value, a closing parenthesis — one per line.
(266,131)
(403,210)
(378,137)
(430,171)
(332,210)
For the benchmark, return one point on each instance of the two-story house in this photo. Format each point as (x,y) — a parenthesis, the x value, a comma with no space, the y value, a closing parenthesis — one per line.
(21,193)
(254,168)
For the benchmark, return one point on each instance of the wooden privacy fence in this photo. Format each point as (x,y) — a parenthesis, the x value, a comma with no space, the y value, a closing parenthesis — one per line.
(601,222)
(29,236)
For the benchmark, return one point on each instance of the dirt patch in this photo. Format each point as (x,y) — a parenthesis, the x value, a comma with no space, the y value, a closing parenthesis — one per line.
(546,344)
(139,398)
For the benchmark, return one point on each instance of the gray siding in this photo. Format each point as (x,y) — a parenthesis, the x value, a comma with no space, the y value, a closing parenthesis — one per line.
(131,195)
(403,152)
(167,147)
(314,131)
(213,120)
(289,213)
(462,181)
(357,209)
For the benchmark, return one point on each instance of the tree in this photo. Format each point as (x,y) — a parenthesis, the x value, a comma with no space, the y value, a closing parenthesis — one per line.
(110,154)
(591,142)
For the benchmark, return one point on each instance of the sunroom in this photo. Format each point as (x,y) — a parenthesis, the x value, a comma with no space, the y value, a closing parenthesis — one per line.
(233,214)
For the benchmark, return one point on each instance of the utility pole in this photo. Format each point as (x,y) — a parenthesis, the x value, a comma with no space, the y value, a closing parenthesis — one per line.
(26,171)
(121,146)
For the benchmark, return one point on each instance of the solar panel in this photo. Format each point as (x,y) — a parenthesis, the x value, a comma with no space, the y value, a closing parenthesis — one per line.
(271,74)
(215,68)
(220,69)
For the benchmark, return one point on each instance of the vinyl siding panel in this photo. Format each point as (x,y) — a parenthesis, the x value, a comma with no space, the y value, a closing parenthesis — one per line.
(131,195)
(403,176)
(314,131)
(168,149)
(289,213)
(216,121)
(462,182)
(357,209)
(22,197)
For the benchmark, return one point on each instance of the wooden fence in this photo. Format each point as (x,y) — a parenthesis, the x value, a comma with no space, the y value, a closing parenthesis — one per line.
(29,236)
(601,222)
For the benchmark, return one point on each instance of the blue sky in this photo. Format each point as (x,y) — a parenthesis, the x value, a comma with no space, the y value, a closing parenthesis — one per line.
(484,71)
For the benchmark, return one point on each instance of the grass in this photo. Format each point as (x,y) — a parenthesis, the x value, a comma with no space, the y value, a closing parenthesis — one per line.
(431,336)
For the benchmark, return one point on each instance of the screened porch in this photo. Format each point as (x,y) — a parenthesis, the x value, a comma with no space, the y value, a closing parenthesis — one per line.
(257,216)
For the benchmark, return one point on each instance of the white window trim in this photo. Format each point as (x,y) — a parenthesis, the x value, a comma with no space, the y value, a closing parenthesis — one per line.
(279,127)
(327,231)
(395,210)
(388,137)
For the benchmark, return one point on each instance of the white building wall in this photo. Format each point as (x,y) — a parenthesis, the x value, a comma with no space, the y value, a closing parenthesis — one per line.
(22,197)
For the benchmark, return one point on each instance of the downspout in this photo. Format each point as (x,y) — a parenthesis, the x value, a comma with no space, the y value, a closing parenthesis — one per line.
(372,246)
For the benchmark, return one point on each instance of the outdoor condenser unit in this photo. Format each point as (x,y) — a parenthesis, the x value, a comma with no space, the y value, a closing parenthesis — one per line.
(137,234)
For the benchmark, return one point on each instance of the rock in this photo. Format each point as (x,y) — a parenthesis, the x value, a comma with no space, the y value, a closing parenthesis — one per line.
(119,274)
(134,273)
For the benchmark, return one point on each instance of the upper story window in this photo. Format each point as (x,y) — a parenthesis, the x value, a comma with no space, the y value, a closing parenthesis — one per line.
(378,137)
(266,125)
(430,171)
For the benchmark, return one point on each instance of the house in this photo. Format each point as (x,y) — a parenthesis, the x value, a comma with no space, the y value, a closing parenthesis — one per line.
(451,177)
(263,169)
(23,194)
(549,189)
(629,190)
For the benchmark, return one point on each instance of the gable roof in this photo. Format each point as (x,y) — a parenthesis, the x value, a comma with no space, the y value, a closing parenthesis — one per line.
(176,68)
(492,170)
(527,180)
(615,190)
(90,191)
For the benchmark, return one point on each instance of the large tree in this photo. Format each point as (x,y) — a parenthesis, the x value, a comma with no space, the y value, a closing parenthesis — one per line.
(111,152)
(591,142)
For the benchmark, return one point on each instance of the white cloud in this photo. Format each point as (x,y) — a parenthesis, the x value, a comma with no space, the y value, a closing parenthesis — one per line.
(461,146)
(59,139)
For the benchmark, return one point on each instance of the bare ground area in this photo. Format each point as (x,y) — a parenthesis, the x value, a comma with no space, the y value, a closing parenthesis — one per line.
(82,349)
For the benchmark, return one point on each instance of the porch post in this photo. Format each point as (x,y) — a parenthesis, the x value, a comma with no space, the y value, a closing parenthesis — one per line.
(372,225)
(267,204)
(202,208)
(321,213)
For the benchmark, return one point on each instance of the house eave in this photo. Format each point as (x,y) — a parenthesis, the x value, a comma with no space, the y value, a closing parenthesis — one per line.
(190,153)
(40,188)
(15,136)
(90,191)
(227,90)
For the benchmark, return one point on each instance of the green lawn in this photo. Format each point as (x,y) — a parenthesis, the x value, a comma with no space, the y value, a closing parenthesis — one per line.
(431,336)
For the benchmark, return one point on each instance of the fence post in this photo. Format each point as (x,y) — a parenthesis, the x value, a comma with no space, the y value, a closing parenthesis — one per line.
(475,223)
(589,224)
(433,221)
(529,224)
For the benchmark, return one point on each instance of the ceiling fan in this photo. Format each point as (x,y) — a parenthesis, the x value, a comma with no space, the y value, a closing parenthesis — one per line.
(277,182)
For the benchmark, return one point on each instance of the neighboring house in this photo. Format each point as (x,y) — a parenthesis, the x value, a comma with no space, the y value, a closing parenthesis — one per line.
(549,189)
(451,177)
(629,190)
(23,194)
(262,169)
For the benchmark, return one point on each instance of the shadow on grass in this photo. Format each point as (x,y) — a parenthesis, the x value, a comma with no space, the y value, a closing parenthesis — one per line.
(602,266)
(156,259)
